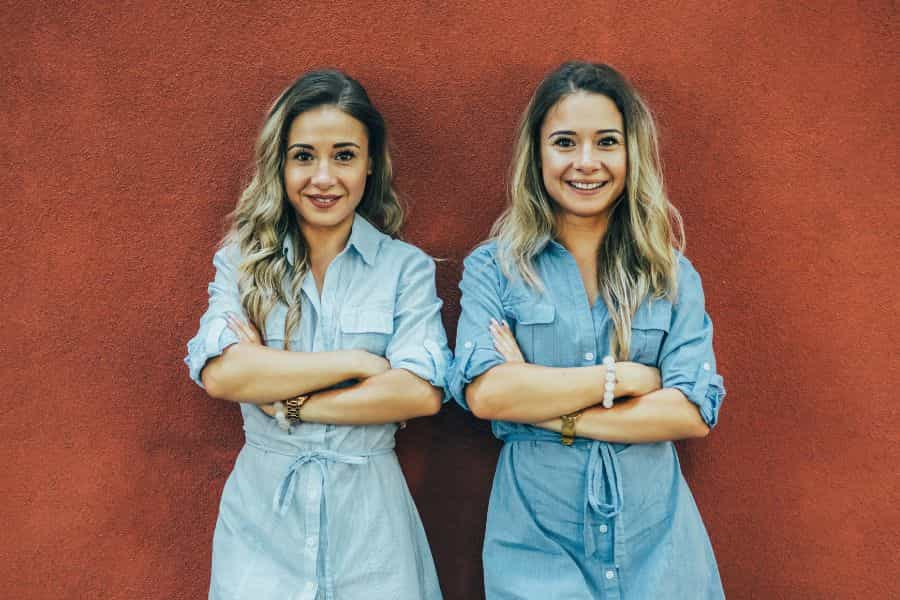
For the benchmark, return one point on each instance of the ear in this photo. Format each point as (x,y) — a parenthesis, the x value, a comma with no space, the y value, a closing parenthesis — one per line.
(369,170)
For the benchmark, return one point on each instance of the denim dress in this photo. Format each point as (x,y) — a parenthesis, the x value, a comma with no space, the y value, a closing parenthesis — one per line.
(594,520)
(323,511)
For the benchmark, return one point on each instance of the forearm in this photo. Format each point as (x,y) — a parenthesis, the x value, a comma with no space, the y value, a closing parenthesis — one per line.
(527,393)
(662,415)
(260,375)
(393,396)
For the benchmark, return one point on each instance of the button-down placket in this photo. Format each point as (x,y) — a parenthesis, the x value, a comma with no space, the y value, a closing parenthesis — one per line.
(586,328)
(315,512)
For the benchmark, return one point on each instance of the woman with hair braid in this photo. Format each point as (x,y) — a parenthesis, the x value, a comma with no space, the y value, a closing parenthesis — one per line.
(583,337)
(327,331)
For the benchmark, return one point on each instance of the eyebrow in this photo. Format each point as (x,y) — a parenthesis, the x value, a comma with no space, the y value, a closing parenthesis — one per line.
(567,132)
(338,145)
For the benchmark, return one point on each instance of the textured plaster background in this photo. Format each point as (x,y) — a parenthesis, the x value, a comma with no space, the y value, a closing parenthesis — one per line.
(126,134)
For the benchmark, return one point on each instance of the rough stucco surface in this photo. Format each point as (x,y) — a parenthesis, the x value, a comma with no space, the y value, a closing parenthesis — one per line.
(126,138)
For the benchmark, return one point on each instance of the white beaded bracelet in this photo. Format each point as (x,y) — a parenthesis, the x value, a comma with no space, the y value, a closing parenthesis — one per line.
(610,385)
(281,417)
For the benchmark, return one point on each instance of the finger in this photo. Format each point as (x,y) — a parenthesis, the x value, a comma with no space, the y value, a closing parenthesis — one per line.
(498,338)
(507,335)
(505,351)
(252,331)
(244,330)
(493,326)
(242,323)
(511,346)
(234,326)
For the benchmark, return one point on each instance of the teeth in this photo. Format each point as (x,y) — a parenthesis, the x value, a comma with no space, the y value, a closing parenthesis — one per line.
(586,186)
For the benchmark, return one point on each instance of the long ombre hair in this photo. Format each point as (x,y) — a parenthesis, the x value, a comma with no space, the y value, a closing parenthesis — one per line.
(264,218)
(637,256)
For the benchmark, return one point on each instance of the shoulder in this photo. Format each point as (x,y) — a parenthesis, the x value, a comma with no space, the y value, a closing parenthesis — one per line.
(482,257)
(482,268)
(228,256)
(396,249)
(403,255)
(689,282)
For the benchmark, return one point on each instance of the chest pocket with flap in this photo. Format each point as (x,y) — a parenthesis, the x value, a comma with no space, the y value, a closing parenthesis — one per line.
(534,325)
(649,329)
(366,328)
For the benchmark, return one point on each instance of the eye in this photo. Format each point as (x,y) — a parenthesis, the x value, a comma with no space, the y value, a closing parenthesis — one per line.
(608,141)
(303,156)
(345,156)
(563,142)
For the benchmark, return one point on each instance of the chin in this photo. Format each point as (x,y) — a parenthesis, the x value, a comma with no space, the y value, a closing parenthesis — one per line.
(580,208)
(326,221)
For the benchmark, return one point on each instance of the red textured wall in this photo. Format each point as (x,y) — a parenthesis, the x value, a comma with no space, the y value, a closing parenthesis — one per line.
(126,136)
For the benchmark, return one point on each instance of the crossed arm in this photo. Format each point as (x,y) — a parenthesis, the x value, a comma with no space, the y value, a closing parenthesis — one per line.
(525,393)
(251,372)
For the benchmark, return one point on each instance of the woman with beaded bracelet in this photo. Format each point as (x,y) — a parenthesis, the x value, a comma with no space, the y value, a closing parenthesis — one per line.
(327,331)
(582,296)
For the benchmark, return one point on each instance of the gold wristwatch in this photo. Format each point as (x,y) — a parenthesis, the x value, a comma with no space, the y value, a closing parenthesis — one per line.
(293,406)
(567,435)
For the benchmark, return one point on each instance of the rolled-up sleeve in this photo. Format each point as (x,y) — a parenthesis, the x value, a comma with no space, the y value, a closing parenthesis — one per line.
(214,336)
(480,302)
(419,342)
(687,361)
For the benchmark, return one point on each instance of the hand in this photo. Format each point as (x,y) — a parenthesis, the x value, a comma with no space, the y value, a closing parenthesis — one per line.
(505,342)
(638,379)
(368,364)
(243,329)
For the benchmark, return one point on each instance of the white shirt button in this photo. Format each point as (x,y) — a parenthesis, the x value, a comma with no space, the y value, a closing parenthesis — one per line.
(468,344)
(588,356)
(706,366)
(311,542)
(610,575)
(604,528)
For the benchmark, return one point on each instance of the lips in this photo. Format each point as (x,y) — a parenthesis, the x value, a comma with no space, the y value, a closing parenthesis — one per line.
(586,186)
(323,200)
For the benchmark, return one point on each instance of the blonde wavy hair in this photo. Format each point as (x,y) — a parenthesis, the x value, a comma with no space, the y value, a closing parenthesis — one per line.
(264,218)
(637,256)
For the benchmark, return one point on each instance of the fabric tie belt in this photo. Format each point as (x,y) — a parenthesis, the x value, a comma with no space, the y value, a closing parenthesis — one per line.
(286,490)
(603,491)
(604,488)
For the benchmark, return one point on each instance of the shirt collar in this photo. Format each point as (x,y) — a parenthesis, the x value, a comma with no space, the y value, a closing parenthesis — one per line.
(364,237)
(549,244)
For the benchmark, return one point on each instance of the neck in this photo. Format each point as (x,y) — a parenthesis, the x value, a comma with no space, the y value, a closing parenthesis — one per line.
(324,243)
(581,235)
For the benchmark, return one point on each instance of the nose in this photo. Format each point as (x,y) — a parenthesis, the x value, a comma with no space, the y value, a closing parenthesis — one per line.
(586,161)
(322,178)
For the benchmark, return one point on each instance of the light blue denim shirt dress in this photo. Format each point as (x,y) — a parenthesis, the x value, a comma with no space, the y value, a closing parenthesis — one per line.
(595,520)
(323,511)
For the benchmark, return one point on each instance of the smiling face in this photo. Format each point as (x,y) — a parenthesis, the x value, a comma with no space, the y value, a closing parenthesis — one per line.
(326,167)
(584,161)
